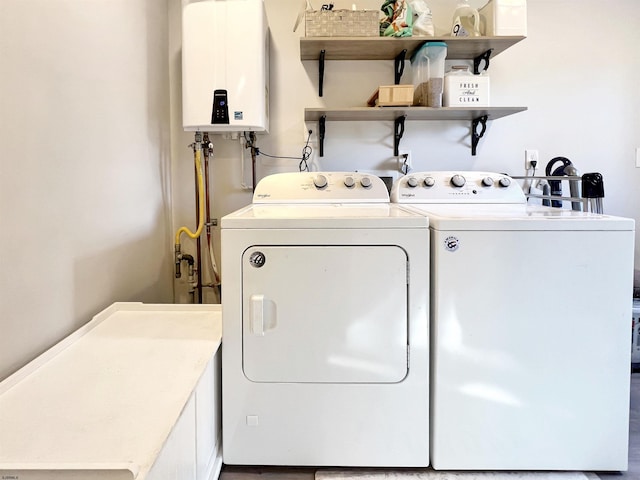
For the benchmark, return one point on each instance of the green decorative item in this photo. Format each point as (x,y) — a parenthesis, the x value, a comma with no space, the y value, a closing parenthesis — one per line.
(398,19)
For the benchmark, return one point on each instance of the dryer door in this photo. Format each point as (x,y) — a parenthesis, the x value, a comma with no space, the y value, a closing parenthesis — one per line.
(325,314)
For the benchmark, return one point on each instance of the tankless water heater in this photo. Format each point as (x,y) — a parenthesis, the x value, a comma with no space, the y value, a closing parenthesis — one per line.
(225,66)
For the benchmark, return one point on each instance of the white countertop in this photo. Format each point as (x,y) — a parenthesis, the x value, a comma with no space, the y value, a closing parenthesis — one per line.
(102,402)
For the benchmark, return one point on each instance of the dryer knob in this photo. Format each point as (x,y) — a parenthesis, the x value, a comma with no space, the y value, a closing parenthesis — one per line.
(429,182)
(320,181)
(365,182)
(349,182)
(505,182)
(412,182)
(458,181)
(487,181)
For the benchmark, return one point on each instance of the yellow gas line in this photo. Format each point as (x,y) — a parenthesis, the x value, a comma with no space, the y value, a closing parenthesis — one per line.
(182,230)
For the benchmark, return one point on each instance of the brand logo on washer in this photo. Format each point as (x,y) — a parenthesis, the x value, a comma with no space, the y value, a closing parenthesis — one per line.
(451,243)
(257,259)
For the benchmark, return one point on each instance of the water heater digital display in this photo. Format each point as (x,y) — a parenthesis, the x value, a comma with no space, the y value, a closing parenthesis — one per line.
(220,109)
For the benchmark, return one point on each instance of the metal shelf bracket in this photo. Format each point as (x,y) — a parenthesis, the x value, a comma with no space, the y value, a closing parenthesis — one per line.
(321,72)
(398,131)
(399,65)
(475,136)
(321,130)
(483,57)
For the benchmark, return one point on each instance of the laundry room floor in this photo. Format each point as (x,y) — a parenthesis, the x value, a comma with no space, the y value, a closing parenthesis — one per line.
(276,473)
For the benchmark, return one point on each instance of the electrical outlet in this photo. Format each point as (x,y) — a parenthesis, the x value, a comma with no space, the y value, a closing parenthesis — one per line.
(404,161)
(529,157)
(308,134)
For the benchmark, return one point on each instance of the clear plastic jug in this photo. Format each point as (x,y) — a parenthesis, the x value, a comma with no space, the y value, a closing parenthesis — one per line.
(466,21)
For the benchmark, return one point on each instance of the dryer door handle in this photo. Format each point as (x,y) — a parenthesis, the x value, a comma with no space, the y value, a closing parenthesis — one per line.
(256,313)
(262,314)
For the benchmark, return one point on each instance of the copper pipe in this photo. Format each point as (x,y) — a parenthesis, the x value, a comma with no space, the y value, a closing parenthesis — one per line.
(198,249)
(208,150)
(207,210)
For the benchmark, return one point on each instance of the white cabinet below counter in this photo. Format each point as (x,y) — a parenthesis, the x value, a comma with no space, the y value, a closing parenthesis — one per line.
(133,394)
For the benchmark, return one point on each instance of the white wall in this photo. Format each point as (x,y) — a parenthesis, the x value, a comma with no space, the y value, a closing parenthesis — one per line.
(88,103)
(576,72)
(84,165)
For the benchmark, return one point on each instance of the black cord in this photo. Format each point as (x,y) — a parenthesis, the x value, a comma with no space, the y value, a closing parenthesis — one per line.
(303,166)
(260,152)
(306,152)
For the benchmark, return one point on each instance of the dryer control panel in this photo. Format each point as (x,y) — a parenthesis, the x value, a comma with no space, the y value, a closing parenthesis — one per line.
(457,187)
(321,187)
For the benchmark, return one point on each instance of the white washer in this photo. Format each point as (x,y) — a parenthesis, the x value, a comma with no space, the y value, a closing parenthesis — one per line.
(325,326)
(530,317)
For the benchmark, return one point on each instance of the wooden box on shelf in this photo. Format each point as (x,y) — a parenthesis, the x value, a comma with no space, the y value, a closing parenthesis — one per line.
(392,96)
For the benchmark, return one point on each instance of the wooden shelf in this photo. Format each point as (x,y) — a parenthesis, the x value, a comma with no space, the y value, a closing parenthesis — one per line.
(477,116)
(355,114)
(480,49)
(387,48)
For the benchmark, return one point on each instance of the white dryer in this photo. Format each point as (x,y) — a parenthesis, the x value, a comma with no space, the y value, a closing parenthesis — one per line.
(325,326)
(530,327)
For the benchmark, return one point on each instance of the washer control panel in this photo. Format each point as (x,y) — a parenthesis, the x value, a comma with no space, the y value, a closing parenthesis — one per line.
(457,187)
(321,187)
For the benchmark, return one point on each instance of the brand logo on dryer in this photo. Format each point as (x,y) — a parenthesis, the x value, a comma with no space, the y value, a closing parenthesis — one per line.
(451,243)
(257,259)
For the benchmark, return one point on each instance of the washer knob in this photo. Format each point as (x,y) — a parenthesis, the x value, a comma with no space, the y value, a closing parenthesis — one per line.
(349,182)
(487,181)
(505,182)
(320,181)
(412,182)
(365,182)
(458,180)
(429,182)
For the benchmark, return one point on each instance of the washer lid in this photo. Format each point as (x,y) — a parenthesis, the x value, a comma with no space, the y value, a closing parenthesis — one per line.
(517,217)
(335,215)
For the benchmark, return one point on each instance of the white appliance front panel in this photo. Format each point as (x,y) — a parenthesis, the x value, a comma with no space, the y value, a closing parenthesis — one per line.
(516,386)
(327,424)
(310,314)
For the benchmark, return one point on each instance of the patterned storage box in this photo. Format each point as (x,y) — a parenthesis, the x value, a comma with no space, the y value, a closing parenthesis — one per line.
(342,23)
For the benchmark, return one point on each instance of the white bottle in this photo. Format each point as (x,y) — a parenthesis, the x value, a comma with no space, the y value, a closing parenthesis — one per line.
(466,21)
